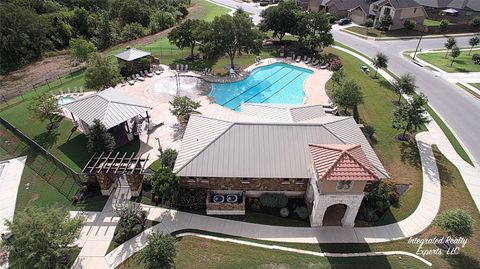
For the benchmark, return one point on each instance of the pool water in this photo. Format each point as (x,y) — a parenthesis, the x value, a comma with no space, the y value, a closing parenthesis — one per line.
(65,100)
(278,83)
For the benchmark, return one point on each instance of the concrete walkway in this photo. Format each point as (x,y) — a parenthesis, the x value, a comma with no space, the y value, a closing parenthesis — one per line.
(10,176)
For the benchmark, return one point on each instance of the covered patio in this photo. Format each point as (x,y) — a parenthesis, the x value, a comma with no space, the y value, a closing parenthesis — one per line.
(124,116)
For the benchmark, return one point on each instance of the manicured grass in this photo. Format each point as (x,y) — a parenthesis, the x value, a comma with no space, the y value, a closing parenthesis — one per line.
(205,10)
(430,22)
(401,32)
(195,252)
(476,85)
(448,133)
(462,63)
(474,93)
(400,159)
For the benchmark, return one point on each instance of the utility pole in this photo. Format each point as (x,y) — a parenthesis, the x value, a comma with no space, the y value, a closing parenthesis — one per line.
(418,45)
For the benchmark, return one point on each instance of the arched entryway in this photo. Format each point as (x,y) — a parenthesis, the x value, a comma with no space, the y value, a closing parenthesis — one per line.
(334,214)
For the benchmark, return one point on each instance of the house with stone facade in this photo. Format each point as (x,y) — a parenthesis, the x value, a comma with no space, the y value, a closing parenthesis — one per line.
(296,150)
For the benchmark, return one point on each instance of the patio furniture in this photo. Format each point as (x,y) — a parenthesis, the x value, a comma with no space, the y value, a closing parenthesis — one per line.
(138,77)
(68,92)
(304,58)
(299,58)
(308,60)
(158,72)
(315,62)
(178,68)
(365,68)
(293,57)
(81,91)
(149,73)
(324,66)
(186,67)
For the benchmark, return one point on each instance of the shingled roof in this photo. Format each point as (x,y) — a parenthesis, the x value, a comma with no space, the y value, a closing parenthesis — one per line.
(341,162)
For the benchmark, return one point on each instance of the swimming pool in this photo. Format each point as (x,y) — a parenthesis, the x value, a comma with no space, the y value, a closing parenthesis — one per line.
(65,100)
(278,83)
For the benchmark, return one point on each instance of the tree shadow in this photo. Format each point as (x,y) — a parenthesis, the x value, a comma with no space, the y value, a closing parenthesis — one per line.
(409,153)
(75,150)
(446,178)
(47,139)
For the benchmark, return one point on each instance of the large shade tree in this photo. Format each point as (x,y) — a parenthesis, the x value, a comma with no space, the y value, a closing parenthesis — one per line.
(347,94)
(101,73)
(182,107)
(81,49)
(280,19)
(99,139)
(42,237)
(410,116)
(186,35)
(234,34)
(319,27)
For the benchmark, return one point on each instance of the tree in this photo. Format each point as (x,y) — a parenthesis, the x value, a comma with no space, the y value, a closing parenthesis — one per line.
(455,222)
(99,139)
(42,237)
(405,84)
(443,26)
(185,36)
(369,24)
(454,54)
(338,77)
(410,116)
(451,42)
(45,107)
(409,25)
(348,94)
(161,20)
(159,253)
(385,22)
(132,31)
(280,19)
(81,49)
(380,61)
(165,184)
(167,158)
(182,107)
(319,30)
(474,41)
(132,221)
(104,35)
(101,73)
(475,22)
(233,34)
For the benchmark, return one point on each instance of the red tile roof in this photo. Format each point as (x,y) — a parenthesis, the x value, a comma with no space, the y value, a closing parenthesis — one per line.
(341,162)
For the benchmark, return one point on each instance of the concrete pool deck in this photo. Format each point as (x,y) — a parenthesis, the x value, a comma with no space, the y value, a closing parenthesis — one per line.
(169,132)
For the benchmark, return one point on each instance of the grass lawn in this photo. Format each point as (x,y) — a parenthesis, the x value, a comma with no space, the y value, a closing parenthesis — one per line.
(400,159)
(474,93)
(204,10)
(462,63)
(195,252)
(267,219)
(400,32)
(430,22)
(476,85)
(113,245)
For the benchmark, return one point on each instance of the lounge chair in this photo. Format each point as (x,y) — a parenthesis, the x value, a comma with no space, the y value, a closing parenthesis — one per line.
(186,67)
(68,92)
(149,73)
(308,60)
(315,62)
(81,91)
(178,68)
(324,66)
(61,93)
(158,72)
(293,57)
(140,78)
(299,58)
(304,58)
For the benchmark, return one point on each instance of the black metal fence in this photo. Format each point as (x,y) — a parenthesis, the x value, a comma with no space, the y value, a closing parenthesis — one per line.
(55,172)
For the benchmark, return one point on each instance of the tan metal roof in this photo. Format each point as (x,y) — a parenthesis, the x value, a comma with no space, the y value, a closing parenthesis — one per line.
(213,147)
(131,54)
(111,107)
(283,113)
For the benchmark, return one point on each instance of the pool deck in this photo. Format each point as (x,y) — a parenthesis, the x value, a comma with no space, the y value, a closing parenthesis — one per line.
(169,132)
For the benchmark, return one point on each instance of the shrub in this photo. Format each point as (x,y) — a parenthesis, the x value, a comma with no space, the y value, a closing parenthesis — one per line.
(284,212)
(302,212)
(475,22)
(132,31)
(168,157)
(191,198)
(182,107)
(335,64)
(273,200)
(476,58)
(378,199)
(132,222)
(369,131)
(443,25)
(456,222)
(408,24)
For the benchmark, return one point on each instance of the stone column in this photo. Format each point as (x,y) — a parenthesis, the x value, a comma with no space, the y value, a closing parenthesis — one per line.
(106,182)
(135,183)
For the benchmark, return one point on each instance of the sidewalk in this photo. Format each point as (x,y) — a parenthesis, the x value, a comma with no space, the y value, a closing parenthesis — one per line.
(10,176)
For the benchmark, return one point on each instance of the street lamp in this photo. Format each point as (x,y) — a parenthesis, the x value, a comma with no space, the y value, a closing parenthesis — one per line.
(418,45)
(159,146)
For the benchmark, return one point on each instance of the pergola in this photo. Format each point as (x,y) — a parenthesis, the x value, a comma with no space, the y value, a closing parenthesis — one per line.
(107,167)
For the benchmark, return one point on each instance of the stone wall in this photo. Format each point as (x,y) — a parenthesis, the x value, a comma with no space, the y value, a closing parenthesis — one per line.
(253,184)
(106,182)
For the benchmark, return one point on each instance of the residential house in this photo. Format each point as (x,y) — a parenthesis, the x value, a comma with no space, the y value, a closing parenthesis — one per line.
(457,11)
(295,150)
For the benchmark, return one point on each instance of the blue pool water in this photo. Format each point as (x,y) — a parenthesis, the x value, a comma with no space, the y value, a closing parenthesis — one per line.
(278,83)
(65,100)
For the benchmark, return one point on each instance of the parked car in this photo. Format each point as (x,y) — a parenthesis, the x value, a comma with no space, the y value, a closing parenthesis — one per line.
(344,21)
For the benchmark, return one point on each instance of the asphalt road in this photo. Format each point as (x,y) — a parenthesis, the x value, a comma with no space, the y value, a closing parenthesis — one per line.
(457,107)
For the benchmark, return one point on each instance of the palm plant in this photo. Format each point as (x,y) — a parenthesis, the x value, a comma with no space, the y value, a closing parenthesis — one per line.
(451,42)
(474,41)
(455,53)
(132,220)
(380,61)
